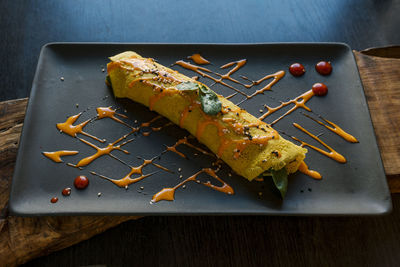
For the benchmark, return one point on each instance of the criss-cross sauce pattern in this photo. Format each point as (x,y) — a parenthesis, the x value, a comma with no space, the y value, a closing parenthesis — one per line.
(136,173)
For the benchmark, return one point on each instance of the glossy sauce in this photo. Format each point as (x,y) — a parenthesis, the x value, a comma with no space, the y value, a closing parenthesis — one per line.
(54,200)
(237,65)
(320,89)
(297,69)
(163,76)
(187,110)
(299,102)
(240,143)
(303,168)
(127,179)
(185,142)
(66,191)
(108,112)
(323,67)
(81,182)
(72,130)
(277,76)
(56,155)
(102,151)
(201,71)
(155,98)
(336,129)
(198,59)
(169,193)
(331,154)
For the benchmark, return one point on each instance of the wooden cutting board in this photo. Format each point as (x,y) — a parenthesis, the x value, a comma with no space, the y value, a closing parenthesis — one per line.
(22,239)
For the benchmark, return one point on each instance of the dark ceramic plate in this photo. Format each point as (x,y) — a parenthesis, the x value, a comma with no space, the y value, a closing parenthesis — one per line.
(357,187)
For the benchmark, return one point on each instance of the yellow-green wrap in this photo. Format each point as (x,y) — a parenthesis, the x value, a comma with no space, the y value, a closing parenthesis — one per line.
(153,85)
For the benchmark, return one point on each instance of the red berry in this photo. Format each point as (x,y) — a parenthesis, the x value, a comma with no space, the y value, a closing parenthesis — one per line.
(54,200)
(81,182)
(296,69)
(319,89)
(323,68)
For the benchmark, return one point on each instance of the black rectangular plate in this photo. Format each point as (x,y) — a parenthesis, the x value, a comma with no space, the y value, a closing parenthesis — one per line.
(357,187)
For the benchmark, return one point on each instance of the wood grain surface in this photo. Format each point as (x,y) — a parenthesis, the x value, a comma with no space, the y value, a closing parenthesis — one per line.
(381,80)
(22,239)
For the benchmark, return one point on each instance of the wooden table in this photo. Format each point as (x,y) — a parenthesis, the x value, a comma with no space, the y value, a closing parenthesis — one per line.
(201,241)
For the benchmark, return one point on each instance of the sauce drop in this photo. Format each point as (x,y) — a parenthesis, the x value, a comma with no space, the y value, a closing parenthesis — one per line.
(54,200)
(323,67)
(81,182)
(319,89)
(297,69)
(303,168)
(66,191)
(198,59)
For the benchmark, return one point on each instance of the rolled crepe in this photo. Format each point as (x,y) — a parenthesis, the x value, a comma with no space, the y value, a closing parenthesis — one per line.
(248,145)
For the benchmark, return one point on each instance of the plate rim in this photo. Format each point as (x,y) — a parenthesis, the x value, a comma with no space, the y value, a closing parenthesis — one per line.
(14,210)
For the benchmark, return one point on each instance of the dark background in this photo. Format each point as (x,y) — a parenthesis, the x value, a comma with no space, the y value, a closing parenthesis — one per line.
(200,241)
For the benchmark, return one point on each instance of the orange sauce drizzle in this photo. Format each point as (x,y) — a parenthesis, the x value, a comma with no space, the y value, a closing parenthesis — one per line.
(169,193)
(230,96)
(154,98)
(185,142)
(72,130)
(147,124)
(108,112)
(154,129)
(143,64)
(241,144)
(186,111)
(127,179)
(101,151)
(303,168)
(198,59)
(56,155)
(201,71)
(201,125)
(276,78)
(237,65)
(331,154)
(299,102)
(260,140)
(336,129)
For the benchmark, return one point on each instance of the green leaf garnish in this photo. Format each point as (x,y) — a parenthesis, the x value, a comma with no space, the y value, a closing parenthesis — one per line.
(108,80)
(280,179)
(210,103)
(187,86)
